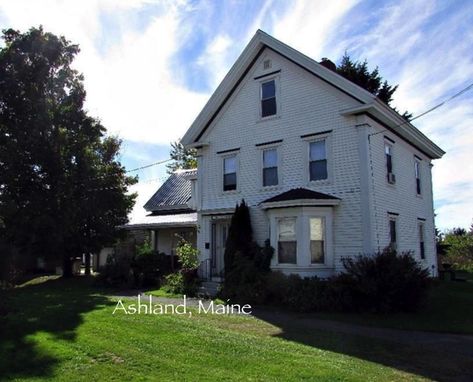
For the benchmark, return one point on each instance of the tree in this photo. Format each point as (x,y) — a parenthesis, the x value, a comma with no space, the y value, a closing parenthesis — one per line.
(62,189)
(459,248)
(359,73)
(183,158)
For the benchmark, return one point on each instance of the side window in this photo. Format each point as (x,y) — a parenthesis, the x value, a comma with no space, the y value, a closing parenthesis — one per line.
(421,240)
(287,242)
(393,232)
(318,160)
(317,240)
(388,152)
(417,174)
(230,173)
(268,98)
(270,167)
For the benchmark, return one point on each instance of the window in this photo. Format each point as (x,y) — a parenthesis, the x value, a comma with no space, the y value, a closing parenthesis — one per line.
(318,160)
(317,241)
(268,98)
(417,172)
(270,167)
(392,232)
(287,242)
(229,173)
(421,240)
(388,150)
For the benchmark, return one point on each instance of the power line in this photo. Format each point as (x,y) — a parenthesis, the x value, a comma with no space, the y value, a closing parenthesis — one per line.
(464,90)
(150,165)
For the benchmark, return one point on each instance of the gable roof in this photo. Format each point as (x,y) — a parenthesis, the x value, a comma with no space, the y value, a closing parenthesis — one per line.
(369,103)
(174,193)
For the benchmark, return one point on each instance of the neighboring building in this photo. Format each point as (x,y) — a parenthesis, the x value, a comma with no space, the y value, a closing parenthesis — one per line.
(169,218)
(327,169)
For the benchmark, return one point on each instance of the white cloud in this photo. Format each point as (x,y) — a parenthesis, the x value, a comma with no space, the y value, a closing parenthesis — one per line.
(309,24)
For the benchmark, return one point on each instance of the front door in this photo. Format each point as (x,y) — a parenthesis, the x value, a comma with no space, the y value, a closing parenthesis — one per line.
(219,239)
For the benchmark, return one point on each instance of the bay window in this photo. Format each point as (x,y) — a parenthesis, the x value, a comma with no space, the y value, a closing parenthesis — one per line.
(287,241)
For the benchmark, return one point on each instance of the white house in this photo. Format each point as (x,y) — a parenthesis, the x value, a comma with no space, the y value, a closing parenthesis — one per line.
(327,169)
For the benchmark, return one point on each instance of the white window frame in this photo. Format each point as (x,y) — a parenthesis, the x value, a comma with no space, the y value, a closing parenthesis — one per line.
(389,144)
(421,229)
(418,175)
(296,238)
(222,171)
(324,239)
(277,84)
(327,137)
(395,218)
(277,147)
(303,214)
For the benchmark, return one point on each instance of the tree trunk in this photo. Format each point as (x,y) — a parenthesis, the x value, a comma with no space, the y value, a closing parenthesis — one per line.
(67,266)
(87,263)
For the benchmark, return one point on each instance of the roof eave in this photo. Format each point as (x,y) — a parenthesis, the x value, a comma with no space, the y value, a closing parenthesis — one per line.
(399,125)
(301,203)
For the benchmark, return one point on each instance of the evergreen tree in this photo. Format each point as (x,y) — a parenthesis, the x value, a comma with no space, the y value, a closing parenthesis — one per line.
(358,73)
(183,158)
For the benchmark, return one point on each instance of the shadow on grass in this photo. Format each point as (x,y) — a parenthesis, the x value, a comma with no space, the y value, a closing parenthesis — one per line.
(424,358)
(55,308)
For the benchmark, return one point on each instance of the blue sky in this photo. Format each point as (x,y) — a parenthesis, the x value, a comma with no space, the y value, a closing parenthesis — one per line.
(150,66)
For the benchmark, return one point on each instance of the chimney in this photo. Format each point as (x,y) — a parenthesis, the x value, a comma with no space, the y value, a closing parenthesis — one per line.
(328,64)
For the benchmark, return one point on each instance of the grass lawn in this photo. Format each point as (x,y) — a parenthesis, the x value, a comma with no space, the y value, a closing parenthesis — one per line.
(162,293)
(65,331)
(449,309)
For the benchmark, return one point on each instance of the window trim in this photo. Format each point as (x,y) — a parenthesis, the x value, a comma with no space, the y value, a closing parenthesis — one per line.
(393,218)
(237,172)
(390,144)
(324,239)
(327,137)
(421,243)
(270,146)
(417,176)
(296,237)
(276,78)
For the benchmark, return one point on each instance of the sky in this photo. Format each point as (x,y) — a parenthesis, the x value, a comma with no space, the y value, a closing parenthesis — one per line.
(150,66)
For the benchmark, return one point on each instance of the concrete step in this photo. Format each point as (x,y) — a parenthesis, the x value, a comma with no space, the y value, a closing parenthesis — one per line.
(208,289)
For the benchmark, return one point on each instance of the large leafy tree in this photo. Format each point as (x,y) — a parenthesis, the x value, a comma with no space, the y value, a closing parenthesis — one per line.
(62,189)
(182,158)
(359,73)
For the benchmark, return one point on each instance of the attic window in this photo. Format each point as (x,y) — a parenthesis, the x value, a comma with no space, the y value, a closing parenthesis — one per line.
(267,64)
(268,98)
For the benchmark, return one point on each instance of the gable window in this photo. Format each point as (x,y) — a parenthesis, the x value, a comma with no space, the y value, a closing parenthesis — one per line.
(317,240)
(270,167)
(388,151)
(417,174)
(268,98)
(392,232)
(287,242)
(230,173)
(318,160)
(420,226)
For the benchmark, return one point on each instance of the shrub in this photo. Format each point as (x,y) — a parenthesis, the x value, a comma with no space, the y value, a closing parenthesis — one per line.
(117,271)
(385,282)
(184,281)
(146,265)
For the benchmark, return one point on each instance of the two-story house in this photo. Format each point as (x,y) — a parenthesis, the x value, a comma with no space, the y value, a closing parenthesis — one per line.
(327,169)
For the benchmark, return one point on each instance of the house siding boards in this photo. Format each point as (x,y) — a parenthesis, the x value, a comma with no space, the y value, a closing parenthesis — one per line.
(306,105)
(401,197)
(309,107)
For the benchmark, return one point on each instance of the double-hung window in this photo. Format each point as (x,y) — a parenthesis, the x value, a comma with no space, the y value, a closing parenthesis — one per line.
(417,174)
(230,173)
(317,240)
(270,167)
(388,152)
(318,160)
(392,232)
(420,226)
(268,98)
(287,242)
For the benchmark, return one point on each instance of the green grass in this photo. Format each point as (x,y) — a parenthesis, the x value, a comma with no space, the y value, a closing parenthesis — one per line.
(161,292)
(449,309)
(65,331)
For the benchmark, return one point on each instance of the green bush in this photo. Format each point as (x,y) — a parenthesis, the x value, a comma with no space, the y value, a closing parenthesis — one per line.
(117,271)
(385,282)
(185,280)
(146,265)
